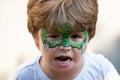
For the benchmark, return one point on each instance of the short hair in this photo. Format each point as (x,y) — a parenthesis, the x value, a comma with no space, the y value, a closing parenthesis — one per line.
(47,13)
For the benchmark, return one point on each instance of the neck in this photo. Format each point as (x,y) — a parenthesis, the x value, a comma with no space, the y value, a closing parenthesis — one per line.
(62,75)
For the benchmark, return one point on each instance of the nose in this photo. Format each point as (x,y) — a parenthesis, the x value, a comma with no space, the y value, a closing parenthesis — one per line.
(64,48)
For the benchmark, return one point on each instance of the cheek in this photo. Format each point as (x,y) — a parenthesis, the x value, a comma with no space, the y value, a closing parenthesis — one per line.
(47,56)
(77,54)
(77,51)
(50,52)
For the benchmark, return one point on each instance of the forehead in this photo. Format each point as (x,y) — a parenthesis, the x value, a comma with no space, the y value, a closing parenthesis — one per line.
(65,28)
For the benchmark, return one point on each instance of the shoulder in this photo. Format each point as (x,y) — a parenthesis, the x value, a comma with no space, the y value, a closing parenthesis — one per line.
(100,66)
(97,59)
(26,71)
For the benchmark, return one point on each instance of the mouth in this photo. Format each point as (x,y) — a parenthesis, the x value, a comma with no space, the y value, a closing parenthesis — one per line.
(63,58)
(63,61)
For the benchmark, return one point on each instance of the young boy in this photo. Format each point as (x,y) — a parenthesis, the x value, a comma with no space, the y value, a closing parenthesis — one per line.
(61,30)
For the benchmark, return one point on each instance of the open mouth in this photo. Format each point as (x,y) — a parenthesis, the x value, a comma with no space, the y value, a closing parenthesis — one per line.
(63,58)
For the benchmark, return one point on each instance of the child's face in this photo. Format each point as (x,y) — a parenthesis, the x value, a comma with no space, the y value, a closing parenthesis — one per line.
(62,50)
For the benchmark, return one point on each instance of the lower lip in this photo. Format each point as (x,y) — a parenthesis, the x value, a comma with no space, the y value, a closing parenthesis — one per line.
(63,63)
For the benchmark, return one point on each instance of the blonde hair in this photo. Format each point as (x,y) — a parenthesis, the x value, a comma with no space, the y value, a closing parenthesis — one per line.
(76,13)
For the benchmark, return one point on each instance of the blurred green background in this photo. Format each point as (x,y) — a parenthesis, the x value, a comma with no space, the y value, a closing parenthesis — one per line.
(17,45)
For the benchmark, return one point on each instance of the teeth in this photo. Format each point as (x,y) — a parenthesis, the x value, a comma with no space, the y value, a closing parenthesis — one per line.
(63,58)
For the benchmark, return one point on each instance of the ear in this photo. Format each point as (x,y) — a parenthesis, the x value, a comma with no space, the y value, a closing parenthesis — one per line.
(84,47)
(36,39)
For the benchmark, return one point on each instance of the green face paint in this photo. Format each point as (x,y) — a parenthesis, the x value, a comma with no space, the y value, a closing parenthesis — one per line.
(64,40)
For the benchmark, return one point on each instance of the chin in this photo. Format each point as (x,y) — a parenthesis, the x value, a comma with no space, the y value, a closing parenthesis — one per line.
(62,67)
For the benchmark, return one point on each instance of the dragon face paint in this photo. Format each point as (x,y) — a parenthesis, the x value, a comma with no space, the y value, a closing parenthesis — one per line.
(65,39)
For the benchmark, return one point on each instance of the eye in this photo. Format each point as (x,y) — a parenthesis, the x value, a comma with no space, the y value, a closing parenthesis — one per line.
(53,37)
(76,37)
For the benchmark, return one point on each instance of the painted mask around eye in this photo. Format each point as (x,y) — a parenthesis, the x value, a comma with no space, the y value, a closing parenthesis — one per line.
(64,41)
